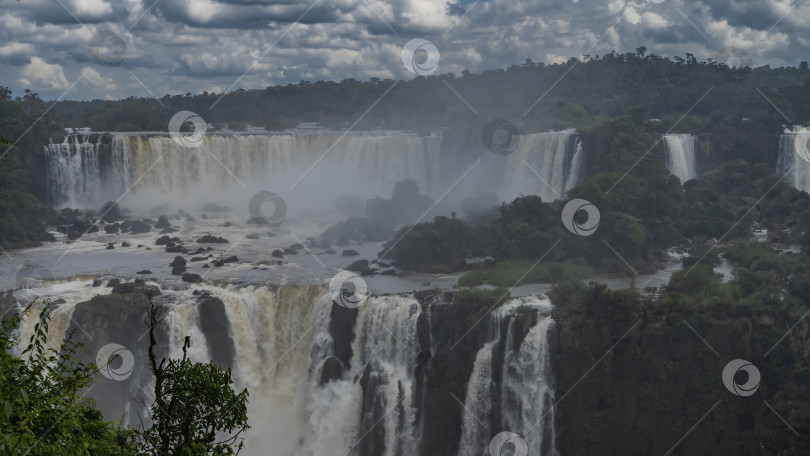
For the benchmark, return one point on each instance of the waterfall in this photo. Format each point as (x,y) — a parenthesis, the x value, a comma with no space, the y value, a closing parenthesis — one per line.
(681,156)
(57,327)
(525,400)
(325,379)
(478,405)
(528,390)
(385,350)
(86,170)
(281,340)
(544,164)
(793,161)
(74,170)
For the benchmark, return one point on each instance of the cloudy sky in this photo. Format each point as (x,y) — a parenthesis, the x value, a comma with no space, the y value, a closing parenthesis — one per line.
(155,47)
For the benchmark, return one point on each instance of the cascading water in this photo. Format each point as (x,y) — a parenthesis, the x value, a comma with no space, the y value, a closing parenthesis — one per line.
(361,390)
(512,390)
(74,170)
(793,161)
(681,156)
(544,164)
(87,169)
(317,390)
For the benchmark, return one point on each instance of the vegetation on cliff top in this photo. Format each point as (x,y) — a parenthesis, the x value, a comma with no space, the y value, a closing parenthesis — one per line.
(667,351)
(642,213)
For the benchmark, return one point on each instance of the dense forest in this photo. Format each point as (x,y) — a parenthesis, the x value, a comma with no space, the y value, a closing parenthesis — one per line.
(534,96)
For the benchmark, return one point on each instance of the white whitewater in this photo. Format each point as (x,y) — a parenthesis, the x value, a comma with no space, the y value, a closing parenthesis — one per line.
(681,156)
(281,339)
(87,169)
(72,292)
(74,171)
(793,161)
(544,164)
(82,173)
(478,405)
(527,388)
(386,337)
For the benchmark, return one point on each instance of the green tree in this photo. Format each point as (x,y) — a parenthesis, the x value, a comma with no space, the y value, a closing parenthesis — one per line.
(43,408)
(196,412)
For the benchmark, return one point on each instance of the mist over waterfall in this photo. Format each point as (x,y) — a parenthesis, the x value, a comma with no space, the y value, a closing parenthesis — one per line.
(544,164)
(681,158)
(87,169)
(512,389)
(793,161)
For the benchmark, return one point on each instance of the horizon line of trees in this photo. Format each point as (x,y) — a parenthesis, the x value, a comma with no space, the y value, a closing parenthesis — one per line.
(585,92)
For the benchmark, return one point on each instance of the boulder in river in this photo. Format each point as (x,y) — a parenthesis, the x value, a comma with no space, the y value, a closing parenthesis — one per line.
(111,212)
(223,261)
(209,239)
(178,261)
(192,278)
(135,227)
(162,222)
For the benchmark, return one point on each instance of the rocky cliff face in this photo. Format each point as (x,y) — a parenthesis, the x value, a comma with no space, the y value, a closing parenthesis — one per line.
(628,382)
(660,389)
